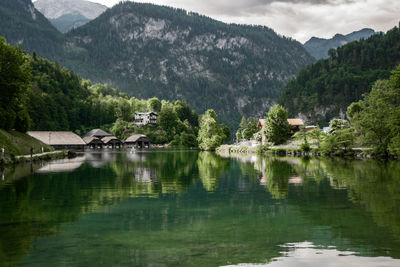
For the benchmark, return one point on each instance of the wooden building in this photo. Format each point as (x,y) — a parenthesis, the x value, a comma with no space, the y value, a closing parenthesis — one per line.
(93,142)
(98,133)
(111,142)
(59,140)
(98,138)
(147,118)
(137,141)
(296,124)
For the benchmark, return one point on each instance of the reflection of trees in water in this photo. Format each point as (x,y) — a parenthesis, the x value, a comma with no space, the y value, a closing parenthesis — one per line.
(330,189)
(38,205)
(211,166)
(373,184)
(337,193)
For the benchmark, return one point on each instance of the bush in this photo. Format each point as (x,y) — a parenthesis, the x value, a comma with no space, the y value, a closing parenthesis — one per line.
(305,147)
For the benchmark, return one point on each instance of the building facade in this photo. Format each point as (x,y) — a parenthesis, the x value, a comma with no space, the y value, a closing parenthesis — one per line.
(147,118)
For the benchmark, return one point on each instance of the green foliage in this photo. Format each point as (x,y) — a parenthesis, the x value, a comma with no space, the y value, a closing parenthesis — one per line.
(211,134)
(332,84)
(155,104)
(377,116)
(61,100)
(247,128)
(277,129)
(305,147)
(15,79)
(338,124)
(317,134)
(339,142)
(168,118)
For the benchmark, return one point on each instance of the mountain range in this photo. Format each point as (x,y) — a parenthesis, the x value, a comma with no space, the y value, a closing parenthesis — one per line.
(148,50)
(319,47)
(69,14)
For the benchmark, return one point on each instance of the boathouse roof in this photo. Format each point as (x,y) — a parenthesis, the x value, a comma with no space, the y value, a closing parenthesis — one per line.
(97,132)
(55,138)
(135,137)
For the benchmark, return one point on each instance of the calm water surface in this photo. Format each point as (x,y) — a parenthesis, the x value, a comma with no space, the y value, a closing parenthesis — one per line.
(200,209)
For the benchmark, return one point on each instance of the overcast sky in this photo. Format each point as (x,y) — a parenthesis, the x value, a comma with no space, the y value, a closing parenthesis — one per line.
(299,19)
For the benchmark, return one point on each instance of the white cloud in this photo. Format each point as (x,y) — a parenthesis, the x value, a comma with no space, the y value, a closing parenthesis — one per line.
(299,19)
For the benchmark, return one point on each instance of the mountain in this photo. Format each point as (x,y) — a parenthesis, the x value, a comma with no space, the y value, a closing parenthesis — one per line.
(319,47)
(325,89)
(148,50)
(21,24)
(69,14)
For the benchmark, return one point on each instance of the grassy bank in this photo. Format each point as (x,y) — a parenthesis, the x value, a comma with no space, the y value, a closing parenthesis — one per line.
(16,143)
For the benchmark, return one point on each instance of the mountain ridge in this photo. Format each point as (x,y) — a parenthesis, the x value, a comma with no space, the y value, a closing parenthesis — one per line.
(319,47)
(69,14)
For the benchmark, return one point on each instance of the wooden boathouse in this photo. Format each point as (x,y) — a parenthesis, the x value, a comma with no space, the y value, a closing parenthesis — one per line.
(59,139)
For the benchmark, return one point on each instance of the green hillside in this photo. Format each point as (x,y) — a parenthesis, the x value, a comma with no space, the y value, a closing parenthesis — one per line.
(16,143)
(324,89)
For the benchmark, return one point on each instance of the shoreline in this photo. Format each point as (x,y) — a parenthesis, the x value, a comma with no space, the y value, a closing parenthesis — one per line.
(46,156)
(358,153)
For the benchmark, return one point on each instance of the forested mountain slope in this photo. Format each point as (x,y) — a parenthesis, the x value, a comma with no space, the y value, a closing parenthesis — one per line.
(324,89)
(148,50)
(21,24)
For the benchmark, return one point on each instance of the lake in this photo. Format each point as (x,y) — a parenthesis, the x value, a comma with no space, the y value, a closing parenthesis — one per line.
(200,209)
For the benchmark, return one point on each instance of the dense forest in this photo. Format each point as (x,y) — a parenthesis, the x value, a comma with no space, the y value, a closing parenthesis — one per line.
(41,95)
(324,89)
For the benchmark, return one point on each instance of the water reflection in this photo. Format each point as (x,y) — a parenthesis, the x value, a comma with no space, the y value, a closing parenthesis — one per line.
(308,255)
(201,209)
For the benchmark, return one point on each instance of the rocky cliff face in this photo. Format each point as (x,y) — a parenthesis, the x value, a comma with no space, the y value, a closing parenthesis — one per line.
(149,50)
(69,14)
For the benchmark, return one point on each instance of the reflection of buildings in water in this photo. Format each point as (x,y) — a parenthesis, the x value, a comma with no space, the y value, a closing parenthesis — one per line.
(64,165)
(95,159)
(143,174)
(263,179)
(99,159)
(136,157)
(296,180)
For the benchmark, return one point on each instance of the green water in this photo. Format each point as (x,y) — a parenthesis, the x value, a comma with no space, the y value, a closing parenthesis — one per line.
(200,209)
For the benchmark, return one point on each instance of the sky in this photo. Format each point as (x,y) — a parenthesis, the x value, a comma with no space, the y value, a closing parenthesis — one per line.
(299,19)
